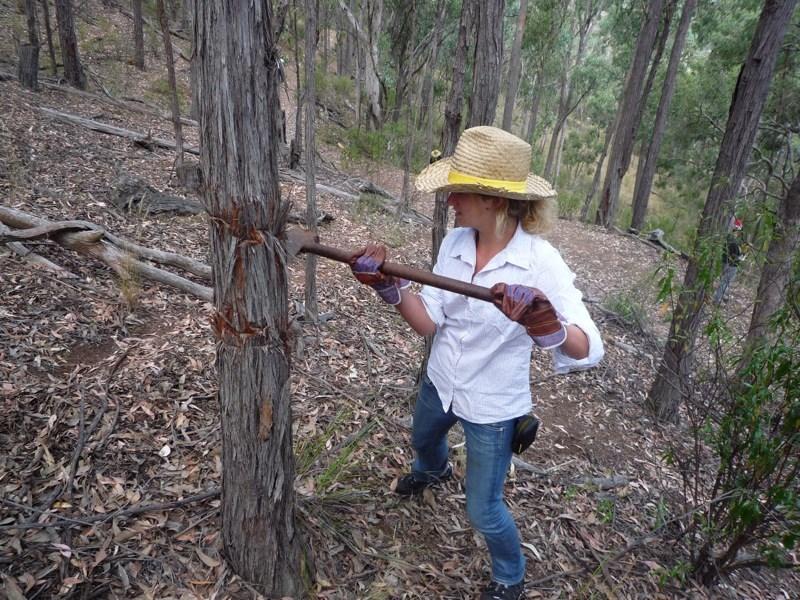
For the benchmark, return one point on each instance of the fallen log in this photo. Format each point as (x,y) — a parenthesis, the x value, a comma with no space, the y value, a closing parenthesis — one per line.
(136,195)
(31,257)
(145,140)
(93,241)
(22,220)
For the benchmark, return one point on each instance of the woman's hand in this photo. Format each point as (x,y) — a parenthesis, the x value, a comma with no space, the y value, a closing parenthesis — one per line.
(366,264)
(531,308)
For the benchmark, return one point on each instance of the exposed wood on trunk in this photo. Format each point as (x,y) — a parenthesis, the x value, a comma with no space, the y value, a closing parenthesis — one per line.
(94,242)
(239,112)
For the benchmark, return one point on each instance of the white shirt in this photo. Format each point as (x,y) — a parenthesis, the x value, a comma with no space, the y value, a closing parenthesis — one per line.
(480,359)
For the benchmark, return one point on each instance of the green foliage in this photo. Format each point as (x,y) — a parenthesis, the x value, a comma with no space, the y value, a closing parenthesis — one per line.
(747,412)
(629,307)
(606,510)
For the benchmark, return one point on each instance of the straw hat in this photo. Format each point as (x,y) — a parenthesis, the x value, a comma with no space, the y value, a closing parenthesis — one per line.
(490,161)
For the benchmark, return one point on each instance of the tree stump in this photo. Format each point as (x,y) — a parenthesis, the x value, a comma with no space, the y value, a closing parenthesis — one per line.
(28,66)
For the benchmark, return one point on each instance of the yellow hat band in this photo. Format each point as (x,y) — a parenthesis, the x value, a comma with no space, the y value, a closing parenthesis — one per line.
(456,178)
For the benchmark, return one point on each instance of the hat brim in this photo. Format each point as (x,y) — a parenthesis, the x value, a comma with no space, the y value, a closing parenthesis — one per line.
(434,178)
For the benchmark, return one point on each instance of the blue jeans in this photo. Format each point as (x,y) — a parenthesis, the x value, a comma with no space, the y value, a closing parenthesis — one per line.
(488,459)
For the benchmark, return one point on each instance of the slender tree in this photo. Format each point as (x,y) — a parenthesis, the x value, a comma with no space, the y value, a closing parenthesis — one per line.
(73,70)
(49,33)
(514,67)
(747,103)
(629,106)
(647,166)
(173,87)
(238,85)
(138,35)
(311,36)
(779,266)
(296,146)
(488,61)
(426,116)
(28,64)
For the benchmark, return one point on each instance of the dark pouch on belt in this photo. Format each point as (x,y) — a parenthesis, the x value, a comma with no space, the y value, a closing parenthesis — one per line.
(524,433)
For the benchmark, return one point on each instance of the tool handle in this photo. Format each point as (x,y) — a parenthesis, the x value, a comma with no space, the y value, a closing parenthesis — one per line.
(397,270)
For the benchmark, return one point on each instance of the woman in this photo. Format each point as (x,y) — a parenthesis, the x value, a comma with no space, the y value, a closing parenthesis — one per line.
(479,368)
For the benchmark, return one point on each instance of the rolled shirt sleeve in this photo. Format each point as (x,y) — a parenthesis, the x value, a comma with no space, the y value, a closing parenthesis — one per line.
(557,282)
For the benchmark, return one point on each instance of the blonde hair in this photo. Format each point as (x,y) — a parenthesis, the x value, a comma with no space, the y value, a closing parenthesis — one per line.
(535,216)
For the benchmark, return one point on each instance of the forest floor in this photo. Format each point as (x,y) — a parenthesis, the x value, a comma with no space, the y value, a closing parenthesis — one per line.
(107,392)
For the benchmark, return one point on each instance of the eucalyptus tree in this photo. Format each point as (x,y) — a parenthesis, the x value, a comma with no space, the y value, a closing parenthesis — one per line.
(488,62)
(48,30)
(310,103)
(749,97)
(73,70)
(28,64)
(582,20)
(626,122)
(515,66)
(239,137)
(138,35)
(173,88)
(647,165)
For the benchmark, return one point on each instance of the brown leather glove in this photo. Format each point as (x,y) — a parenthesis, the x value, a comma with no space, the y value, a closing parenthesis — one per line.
(531,308)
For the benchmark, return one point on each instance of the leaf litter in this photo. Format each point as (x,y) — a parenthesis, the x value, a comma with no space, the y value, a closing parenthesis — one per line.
(110,466)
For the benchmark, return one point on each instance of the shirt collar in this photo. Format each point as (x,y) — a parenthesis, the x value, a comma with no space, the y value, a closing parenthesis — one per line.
(517,252)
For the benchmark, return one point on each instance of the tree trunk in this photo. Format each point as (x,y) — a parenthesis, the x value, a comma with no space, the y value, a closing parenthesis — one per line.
(296,147)
(626,123)
(565,106)
(173,87)
(28,66)
(533,116)
(747,103)
(777,271)
(426,113)
(647,168)
(587,203)
(515,67)
(402,28)
(49,32)
(311,32)
(372,82)
(488,62)
(239,109)
(73,71)
(30,19)
(28,54)
(138,35)
(322,33)
(372,16)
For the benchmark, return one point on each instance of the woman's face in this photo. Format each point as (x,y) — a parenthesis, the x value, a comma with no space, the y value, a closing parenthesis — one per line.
(472,210)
